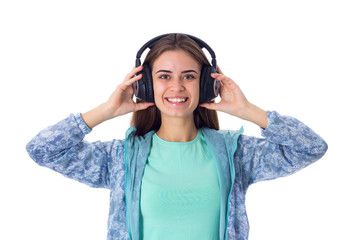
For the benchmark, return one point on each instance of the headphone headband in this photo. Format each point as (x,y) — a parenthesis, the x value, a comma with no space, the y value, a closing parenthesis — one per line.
(153,41)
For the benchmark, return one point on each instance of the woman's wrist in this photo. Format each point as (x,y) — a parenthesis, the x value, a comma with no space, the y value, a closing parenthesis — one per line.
(255,115)
(96,116)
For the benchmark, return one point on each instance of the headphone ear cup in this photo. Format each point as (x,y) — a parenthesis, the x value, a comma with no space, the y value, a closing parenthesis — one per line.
(147,77)
(208,85)
(143,88)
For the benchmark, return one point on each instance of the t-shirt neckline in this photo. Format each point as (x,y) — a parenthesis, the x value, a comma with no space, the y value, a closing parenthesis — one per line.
(162,141)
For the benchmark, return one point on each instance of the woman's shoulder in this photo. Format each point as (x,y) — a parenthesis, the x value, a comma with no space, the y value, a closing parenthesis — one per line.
(222,138)
(227,133)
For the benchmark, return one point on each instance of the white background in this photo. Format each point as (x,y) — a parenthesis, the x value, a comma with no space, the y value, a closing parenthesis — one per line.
(300,58)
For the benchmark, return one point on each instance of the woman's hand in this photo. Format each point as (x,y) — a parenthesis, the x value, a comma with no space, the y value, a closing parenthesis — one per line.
(120,102)
(234,102)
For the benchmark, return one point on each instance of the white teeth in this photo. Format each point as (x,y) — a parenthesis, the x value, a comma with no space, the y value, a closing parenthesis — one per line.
(176,99)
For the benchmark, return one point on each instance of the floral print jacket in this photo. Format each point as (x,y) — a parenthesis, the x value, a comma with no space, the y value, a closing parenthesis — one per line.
(287,146)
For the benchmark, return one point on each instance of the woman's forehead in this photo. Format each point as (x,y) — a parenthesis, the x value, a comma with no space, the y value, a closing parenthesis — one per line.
(176,60)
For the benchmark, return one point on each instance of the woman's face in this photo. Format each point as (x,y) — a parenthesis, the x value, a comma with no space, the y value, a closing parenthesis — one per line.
(176,80)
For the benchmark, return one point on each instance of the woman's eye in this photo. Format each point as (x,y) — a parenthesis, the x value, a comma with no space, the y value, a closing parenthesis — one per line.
(165,77)
(190,76)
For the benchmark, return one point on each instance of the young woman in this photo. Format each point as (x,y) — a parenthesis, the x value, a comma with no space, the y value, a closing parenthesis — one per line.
(176,175)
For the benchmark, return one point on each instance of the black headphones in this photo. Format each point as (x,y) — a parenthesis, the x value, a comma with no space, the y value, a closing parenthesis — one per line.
(209,87)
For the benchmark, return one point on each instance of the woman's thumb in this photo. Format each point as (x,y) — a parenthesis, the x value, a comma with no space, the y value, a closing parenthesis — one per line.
(142,106)
(211,106)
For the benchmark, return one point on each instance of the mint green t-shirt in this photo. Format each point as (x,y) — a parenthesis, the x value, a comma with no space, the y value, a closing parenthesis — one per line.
(180,195)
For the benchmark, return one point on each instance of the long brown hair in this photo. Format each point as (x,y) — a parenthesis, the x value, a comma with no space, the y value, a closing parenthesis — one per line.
(150,118)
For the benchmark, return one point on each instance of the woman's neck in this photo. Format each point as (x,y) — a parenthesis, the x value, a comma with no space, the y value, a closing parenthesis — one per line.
(175,129)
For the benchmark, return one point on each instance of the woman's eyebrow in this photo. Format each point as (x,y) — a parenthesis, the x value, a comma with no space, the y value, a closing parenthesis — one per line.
(188,71)
(168,71)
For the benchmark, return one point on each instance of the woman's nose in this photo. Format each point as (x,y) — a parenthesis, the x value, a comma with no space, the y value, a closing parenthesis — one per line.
(177,85)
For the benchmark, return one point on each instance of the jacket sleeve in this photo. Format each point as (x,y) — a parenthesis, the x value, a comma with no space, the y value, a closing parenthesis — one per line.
(61,148)
(288,146)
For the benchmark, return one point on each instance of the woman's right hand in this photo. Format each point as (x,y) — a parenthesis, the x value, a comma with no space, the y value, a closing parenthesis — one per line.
(120,102)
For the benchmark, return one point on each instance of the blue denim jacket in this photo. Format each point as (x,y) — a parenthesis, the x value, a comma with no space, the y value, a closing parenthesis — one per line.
(288,146)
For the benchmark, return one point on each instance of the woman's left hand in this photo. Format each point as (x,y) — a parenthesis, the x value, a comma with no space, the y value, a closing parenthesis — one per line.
(233,100)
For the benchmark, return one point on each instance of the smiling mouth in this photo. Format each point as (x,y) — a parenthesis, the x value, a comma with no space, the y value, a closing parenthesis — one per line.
(177,100)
